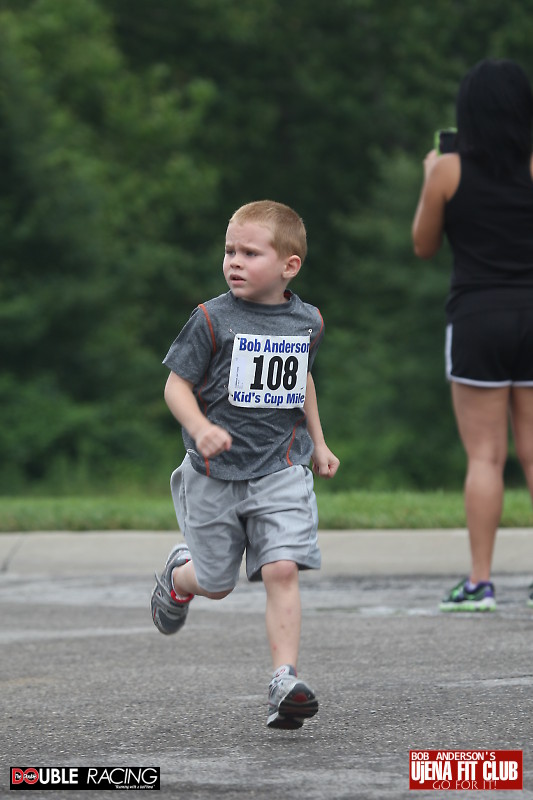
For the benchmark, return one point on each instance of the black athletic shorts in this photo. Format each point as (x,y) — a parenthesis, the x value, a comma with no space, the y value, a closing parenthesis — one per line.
(491,348)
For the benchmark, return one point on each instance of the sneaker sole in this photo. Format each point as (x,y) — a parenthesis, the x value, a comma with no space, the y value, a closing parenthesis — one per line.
(482,606)
(299,704)
(284,723)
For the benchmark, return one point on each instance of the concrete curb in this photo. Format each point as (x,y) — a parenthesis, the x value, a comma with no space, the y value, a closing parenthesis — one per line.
(361,552)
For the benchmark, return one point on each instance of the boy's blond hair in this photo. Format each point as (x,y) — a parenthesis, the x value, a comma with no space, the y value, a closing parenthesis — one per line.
(287,228)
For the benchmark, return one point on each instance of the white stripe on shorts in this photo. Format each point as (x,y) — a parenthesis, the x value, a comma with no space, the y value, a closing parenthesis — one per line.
(467,381)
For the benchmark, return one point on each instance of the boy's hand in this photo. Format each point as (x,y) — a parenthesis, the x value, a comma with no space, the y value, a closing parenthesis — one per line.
(325,463)
(212,440)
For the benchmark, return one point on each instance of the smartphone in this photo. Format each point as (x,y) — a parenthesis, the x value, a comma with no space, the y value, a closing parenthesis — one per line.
(446,141)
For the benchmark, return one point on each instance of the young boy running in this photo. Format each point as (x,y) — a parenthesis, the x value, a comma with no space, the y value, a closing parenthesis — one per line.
(240,386)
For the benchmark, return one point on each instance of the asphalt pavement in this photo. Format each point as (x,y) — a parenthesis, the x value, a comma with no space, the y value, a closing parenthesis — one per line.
(86,680)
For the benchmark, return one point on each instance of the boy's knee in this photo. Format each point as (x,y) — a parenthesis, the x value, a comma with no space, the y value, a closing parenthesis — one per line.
(282,571)
(218,595)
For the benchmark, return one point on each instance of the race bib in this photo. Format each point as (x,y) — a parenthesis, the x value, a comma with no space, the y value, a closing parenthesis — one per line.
(268,371)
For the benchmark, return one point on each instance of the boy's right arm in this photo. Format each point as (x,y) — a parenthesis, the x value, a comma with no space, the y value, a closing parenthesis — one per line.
(210,439)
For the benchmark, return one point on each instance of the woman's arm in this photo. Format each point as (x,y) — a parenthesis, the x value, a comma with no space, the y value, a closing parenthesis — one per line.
(441,179)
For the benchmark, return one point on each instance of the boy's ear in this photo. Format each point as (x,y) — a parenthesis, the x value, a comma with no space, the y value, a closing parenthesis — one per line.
(292,266)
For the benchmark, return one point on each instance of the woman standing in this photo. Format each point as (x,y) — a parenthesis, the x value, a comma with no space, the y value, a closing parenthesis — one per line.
(481,197)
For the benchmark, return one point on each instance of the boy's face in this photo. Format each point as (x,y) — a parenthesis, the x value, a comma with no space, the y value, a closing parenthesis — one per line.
(253,269)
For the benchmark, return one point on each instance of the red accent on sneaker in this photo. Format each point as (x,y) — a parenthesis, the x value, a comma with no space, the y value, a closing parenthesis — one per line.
(181,600)
(300,697)
(285,669)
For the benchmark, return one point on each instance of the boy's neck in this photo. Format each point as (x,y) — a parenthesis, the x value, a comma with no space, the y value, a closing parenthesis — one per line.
(287,294)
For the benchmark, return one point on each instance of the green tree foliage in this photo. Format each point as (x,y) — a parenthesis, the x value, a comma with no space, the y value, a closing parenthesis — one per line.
(130,131)
(97,179)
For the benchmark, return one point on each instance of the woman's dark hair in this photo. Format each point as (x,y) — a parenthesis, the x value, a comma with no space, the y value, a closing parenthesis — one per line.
(495,114)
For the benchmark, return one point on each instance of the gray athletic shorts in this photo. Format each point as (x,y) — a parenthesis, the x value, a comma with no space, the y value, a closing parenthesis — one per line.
(272,518)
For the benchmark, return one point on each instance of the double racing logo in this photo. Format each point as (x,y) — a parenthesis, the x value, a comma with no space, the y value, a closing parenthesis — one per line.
(55,778)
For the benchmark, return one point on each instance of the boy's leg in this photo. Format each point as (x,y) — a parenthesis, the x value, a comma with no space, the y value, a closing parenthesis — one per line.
(281,525)
(185,583)
(283,611)
(290,700)
(174,590)
(208,564)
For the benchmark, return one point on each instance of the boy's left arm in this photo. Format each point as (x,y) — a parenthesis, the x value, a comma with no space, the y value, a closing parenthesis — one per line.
(325,463)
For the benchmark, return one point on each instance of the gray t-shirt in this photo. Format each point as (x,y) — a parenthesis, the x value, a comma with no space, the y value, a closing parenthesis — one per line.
(259,354)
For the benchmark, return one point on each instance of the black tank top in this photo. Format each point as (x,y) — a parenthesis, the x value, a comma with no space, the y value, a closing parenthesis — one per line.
(489,225)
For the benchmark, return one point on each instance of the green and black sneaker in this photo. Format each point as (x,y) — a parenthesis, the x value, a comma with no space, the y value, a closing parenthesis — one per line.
(461,598)
(530,598)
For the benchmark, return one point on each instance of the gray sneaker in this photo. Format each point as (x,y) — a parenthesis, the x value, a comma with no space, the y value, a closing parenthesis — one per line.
(530,598)
(168,612)
(290,701)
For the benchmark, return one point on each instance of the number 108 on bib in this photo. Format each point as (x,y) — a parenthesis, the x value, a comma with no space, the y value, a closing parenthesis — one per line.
(268,371)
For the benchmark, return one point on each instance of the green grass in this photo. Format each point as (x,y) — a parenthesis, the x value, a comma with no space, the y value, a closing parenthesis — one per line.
(403,509)
(338,510)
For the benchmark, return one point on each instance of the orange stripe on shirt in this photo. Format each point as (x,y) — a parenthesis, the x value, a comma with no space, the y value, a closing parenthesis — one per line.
(210,326)
(320,331)
(302,419)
